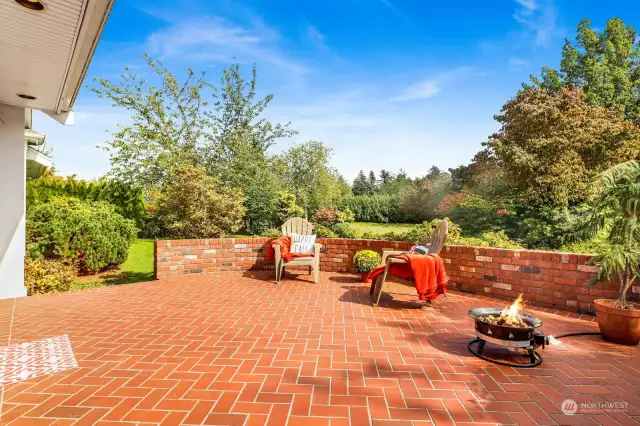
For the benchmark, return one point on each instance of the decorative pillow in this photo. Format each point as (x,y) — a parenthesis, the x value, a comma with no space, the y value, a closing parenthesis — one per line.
(302,243)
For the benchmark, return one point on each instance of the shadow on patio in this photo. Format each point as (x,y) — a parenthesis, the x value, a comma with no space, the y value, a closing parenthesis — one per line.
(232,348)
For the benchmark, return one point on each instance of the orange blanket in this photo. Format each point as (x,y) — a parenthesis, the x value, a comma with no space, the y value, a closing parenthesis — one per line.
(427,272)
(285,249)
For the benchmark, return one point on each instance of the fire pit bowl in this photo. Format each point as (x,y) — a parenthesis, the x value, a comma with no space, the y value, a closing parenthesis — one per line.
(518,338)
(505,334)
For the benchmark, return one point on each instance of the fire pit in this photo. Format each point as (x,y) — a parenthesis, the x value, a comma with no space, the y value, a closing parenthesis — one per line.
(510,328)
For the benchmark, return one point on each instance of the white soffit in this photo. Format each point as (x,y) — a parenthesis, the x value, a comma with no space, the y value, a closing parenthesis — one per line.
(46,53)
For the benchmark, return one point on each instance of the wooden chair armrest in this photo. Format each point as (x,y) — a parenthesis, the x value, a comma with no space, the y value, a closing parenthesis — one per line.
(316,249)
(388,254)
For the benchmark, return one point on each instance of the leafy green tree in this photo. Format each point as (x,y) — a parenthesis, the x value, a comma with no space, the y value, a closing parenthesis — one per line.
(551,146)
(421,201)
(189,122)
(168,123)
(235,120)
(605,66)
(257,176)
(287,208)
(304,168)
(194,205)
(330,190)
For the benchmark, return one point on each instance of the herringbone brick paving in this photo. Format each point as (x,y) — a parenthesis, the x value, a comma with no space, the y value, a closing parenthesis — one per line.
(234,349)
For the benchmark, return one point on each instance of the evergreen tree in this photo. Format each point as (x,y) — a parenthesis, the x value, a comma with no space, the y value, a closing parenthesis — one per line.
(360,185)
(373,183)
(385,177)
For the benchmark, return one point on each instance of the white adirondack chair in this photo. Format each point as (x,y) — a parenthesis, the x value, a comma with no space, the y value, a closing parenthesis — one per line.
(298,225)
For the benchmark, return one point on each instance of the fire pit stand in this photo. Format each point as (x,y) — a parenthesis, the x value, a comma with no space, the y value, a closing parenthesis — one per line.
(518,338)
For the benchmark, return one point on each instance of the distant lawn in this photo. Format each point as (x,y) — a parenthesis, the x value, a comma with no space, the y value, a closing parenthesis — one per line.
(137,268)
(382,228)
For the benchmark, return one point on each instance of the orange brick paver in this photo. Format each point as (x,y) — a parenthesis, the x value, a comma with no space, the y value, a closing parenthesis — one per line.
(237,349)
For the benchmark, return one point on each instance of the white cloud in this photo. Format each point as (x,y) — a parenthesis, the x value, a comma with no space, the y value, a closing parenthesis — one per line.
(430,87)
(423,90)
(516,63)
(394,9)
(214,39)
(539,19)
(528,4)
(316,37)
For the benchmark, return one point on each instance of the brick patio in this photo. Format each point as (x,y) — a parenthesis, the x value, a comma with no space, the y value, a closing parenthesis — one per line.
(236,349)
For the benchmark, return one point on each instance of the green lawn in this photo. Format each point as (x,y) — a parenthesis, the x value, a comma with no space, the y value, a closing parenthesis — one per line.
(138,267)
(382,228)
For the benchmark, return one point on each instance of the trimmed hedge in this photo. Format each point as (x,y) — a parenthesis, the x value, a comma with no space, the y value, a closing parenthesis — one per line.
(376,208)
(91,235)
(127,200)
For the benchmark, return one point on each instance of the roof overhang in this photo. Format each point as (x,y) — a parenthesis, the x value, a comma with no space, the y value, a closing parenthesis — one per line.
(37,163)
(46,54)
(33,137)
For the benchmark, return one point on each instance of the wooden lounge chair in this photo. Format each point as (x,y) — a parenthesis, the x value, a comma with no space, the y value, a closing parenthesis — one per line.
(298,225)
(389,257)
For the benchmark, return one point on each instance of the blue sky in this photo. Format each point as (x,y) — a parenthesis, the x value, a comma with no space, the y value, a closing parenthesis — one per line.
(387,84)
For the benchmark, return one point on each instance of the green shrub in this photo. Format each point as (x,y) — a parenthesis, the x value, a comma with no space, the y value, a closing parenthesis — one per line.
(322,231)
(345,230)
(89,233)
(475,214)
(43,276)
(544,227)
(377,208)
(127,199)
(420,234)
(326,217)
(272,233)
(346,216)
(366,260)
(499,239)
(488,239)
(194,205)
(286,207)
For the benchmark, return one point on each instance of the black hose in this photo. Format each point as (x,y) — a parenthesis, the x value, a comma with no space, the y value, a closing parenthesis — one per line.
(581,333)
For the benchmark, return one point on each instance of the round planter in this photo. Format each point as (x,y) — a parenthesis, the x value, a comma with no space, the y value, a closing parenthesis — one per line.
(618,325)
(366,277)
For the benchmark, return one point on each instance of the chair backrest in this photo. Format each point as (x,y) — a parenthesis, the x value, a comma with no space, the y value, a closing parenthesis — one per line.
(438,237)
(297,225)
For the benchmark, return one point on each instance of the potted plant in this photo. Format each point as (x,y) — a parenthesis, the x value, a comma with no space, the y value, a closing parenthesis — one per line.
(365,261)
(616,213)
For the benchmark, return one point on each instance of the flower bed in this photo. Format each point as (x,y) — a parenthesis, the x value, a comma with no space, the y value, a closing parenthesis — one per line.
(547,279)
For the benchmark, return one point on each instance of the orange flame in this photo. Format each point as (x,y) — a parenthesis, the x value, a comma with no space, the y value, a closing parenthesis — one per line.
(513,312)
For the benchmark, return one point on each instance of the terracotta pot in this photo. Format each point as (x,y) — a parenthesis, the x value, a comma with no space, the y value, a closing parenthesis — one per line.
(366,277)
(618,325)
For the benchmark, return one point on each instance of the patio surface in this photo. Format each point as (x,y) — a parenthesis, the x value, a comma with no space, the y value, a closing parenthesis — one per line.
(234,349)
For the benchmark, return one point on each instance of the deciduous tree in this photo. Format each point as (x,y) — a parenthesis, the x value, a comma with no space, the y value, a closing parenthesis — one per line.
(551,146)
(605,66)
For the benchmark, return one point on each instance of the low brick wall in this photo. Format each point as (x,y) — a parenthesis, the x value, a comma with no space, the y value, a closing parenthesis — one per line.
(547,279)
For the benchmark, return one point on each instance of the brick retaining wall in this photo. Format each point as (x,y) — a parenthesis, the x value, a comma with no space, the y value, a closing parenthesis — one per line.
(547,279)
